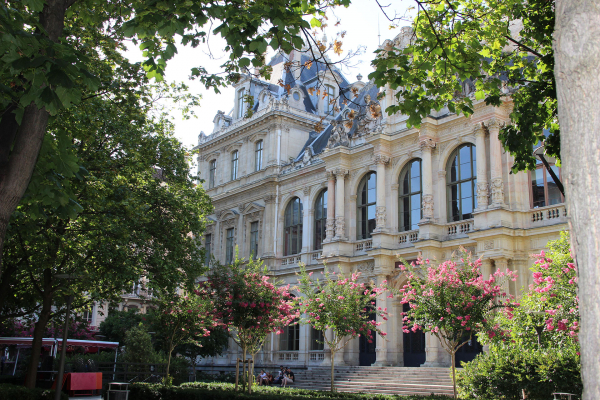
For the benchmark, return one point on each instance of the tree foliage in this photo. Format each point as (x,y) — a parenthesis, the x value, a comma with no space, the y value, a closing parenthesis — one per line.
(452,300)
(502,47)
(342,305)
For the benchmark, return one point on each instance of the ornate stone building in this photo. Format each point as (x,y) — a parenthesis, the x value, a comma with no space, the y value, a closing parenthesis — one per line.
(358,198)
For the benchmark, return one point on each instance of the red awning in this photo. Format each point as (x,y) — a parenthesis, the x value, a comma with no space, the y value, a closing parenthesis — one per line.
(88,343)
(24,341)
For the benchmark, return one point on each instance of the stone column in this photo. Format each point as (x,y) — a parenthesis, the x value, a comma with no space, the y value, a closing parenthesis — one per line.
(381,342)
(268,226)
(427,146)
(307,212)
(502,266)
(340,223)
(380,211)
(497,183)
(486,269)
(330,225)
(482,182)
(394,209)
(434,352)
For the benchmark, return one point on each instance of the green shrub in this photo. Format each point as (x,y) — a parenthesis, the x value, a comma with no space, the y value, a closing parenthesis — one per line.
(225,391)
(504,372)
(12,392)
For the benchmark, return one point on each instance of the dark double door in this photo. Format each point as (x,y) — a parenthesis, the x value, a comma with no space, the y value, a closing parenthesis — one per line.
(468,351)
(414,346)
(366,350)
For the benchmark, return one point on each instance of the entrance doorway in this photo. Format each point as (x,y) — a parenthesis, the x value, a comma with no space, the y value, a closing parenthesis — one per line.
(414,346)
(469,351)
(366,350)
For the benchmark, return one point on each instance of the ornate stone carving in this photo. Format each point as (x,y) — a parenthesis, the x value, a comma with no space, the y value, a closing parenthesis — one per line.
(380,218)
(494,124)
(497,191)
(427,144)
(488,245)
(340,227)
(427,207)
(369,120)
(479,129)
(306,190)
(482,195)
(269,199)
(241,207)
(382,159)
(330,174)
(340,173)
(366,268)
(229,223)
(338,136)
(329,229)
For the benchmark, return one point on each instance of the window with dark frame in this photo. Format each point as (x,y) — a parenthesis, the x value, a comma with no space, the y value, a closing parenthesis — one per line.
(258,155)
(207,248)
(328,101)
(229,246)
(254,239)
(212,172)
(409,196)
(320,219)
(241,102)
(317,341)
(293,227)
(234,165)
(290,338)
(544,191)
(462,183)
(366,206)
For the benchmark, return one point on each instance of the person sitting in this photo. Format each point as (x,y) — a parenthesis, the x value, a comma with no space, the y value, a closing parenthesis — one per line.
(270,379)
(262,378)
(288,377)
(280,375)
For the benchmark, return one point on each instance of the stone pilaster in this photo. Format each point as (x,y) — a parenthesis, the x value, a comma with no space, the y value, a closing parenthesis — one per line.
(269,224)
(497,183)
(482,181)
(340,223)
(330,224)
(380,211)
(427,146)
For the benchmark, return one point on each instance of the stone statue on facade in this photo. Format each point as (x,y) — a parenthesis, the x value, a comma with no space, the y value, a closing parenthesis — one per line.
(339,136)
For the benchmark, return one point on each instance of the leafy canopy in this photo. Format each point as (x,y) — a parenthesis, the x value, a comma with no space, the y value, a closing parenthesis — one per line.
(503,47)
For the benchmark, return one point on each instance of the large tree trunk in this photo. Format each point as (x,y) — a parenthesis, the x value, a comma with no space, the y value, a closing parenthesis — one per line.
(36,345)
(16,171)
(577,57)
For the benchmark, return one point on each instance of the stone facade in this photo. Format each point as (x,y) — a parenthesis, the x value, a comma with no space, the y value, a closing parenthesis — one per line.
(495,219)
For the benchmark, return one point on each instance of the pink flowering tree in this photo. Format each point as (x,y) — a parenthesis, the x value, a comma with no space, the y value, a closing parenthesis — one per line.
(180,320)
(341,304)
(548,315)
(249,305)
(452,301)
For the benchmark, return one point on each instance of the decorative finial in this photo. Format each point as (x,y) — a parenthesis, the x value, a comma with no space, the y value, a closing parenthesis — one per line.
(359,76)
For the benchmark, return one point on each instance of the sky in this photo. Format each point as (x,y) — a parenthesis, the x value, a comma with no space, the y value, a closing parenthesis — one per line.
(363,22)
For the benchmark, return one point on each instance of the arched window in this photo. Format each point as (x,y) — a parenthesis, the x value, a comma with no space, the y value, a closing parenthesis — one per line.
(320,219)
(212,174)
(366,203)
(234,165)
(289,340)
(258,155)
(317,340)
(241,103)
(409,201)
(544,191)
(328,100)
(462,183)
(293,228)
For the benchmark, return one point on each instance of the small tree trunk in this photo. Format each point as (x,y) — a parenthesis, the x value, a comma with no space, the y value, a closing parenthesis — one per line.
(169,358)
(36,345)
(332,369)
(251,375)
(244,376)
(454,373)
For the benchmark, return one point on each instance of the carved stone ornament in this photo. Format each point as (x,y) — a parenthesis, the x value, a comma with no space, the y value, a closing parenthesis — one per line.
(340,173)
(427,206)
(497,191)
(306,190)
(427,144)
(338,136)
(482,195)
(340,228)
(229,223)
(366,268)
(269,199)
(380,218)
(494,124)
(330,174)
(479,129)
(488,245)
(369,120)
(307,159)
(329,229)
(241,207)
(382,159)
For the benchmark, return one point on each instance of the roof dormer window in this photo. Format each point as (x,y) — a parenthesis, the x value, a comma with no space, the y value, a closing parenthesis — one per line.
(241,103)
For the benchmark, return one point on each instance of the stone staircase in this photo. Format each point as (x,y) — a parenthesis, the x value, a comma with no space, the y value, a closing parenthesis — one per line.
(385,380)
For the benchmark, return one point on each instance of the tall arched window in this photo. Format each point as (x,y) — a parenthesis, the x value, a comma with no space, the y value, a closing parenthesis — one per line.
(212,174)
(462,183)
(328,100)
(409,201)
(293,227)
(258,155)
(366,203)
(320,219)
(241,103)
(234,165)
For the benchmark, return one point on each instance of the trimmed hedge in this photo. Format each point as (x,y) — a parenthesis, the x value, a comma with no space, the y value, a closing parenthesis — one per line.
(503,373)
(13,392)
(226,391)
